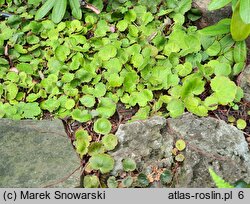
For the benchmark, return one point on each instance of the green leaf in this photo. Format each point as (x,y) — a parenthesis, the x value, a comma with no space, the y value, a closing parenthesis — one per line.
(88,101)
(130,15)
(241,124)
(130,81)
(144,97)
(3,61)
(76,8)
(219,182)
(102,126)
(137,60)
(46,7)
(180,144)
(81,115)
(166,177)
(240,51)
(109,141)
(32,39)
(239,30)
(111,182)
(102,28)
(50,104)
(114,65)
(217,4)
(25,67)
(238,67)
(241,184)
(214,49)
(231,119)
(34,2)
(32,97)
(95,148)
(184,6)
(141,114)
(114,80)
(82,141)
(127,182)
(175,108)
(133,30)
(13,77)
(194,105)
(222,69)
(222,27)
(58,11)
(69,104)
(67,77)
(106,107)
(30,110)
(107,52)
(12,91)
(180,157)
(102,162)
(184,69)
(62,52)
(91,181)
(211,102)
(192,85)
(143,180)
(100,90)
(128,164)
(244,11)
(225,89)
(122,25)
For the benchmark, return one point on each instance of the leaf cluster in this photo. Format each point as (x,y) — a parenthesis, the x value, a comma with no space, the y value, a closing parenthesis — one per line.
(133,54)
(240,23)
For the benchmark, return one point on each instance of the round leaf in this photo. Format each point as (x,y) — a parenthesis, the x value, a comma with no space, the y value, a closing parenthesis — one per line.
(180,157)
(175,108)
(102,126)
(166,177)
(112,183)
(231,119)
(241,124)
(70,103)
(127,182)
(109,141)
(225,89)
(81,115)
(95,148)
(180,145)
(128,165)
(88,101)
(102,162)
(143,180)
(82,142)
(91,181)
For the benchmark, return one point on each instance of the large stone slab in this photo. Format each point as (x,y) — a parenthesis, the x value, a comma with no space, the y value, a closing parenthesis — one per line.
(36,154)
(210,143)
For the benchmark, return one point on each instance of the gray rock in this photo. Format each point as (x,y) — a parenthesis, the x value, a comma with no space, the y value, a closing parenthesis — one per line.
(36,154)
(144,142)
(210,143)
(210,17)
(244,82)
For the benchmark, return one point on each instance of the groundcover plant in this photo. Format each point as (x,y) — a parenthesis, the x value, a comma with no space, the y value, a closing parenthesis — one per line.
(143,54)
